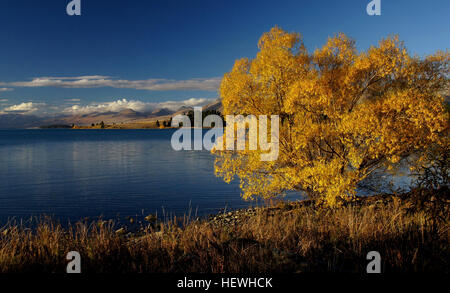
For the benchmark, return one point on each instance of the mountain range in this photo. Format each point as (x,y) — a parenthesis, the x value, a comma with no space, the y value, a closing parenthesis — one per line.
(20,121)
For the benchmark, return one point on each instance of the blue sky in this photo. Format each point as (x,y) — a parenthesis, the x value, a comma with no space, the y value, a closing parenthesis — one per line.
(157,51)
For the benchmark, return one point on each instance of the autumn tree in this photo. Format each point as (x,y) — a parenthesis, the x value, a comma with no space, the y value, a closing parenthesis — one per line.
(344,114)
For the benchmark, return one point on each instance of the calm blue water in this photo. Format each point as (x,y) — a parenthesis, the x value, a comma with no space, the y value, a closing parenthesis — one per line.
(73,174)
(77,174)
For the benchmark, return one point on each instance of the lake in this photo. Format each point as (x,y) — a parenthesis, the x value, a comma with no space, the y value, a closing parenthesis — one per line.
(73,174)
(76,174)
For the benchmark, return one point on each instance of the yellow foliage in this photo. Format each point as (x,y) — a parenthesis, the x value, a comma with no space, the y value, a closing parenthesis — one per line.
(344,113)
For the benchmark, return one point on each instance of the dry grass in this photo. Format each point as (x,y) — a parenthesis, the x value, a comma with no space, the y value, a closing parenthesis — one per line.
(286,238)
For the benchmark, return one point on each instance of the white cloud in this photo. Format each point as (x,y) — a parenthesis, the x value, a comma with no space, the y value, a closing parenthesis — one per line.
(93,81)
(23,108)
(138,106)
(113,106)
(192,102)
(5,89)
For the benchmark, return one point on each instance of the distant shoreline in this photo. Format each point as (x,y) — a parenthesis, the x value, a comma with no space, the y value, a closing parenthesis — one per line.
(108,127)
